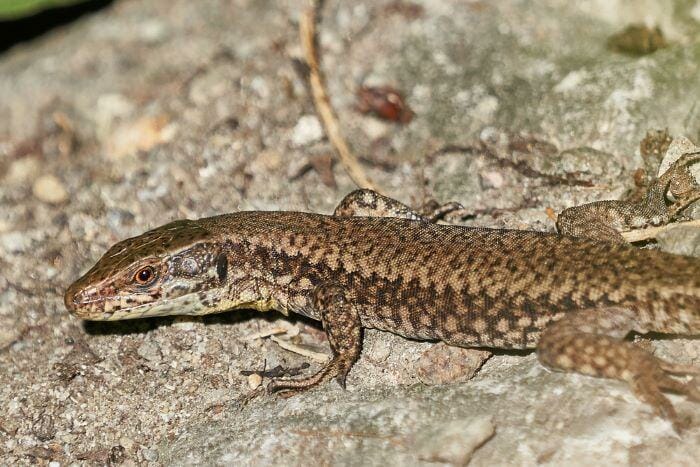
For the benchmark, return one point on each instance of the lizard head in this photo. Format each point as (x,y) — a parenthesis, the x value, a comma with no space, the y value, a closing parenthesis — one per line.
(174,269)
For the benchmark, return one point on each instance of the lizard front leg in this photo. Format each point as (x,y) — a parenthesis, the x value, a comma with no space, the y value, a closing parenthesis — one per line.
(344,331)
(369,203)
(591,342)
(604,220)
(338,316)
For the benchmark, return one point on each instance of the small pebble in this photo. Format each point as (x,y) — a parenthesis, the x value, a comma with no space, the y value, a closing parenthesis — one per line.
(293,331)
(492,179)
(254,380)
(375,129)
(49,189)
(150,455)
(153,31)
(22,170)
(128,443)
(15,242)
(307,130)
(150,351)
(443,364)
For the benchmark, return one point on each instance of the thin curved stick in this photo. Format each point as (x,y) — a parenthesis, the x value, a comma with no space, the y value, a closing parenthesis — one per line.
(653,232)
(307,32)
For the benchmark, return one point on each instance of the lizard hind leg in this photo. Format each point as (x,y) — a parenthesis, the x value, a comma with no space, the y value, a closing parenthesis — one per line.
(344,331)
(591,342)
(369,203)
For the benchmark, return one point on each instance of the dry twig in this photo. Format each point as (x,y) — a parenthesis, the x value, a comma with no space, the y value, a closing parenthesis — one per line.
(266,333)
(307,32)
(653,232)
(286,345)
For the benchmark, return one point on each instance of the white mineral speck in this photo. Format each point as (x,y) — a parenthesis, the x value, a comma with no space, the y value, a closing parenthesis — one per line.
(307,130)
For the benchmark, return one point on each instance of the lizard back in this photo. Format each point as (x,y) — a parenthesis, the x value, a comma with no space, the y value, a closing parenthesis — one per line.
(466,286)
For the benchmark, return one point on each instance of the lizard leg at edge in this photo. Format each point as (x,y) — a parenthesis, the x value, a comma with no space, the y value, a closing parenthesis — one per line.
(344,331)
(369,203)
(591,342)
(604,220)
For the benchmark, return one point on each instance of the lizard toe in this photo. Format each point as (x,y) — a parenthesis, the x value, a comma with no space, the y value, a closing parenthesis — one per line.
(678,368)
(648,390)
(689,389)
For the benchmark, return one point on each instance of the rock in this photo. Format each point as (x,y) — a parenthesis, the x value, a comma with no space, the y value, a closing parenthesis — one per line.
(150,351)
(254,381)
(456,441)
(22,170)
(139,135)
(681,241)
(307,130)
(680,146)
(150,455)
(492,179)
(50,189)
(536,69)
(442,364)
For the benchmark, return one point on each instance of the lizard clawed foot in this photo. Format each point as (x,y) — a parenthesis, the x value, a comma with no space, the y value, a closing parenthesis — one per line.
(337,368)
(652,376)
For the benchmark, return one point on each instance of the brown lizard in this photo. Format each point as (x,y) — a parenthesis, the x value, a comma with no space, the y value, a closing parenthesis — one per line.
(375,263)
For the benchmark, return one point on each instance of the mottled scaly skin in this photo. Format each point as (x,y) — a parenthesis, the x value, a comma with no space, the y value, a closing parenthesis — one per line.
(465,286)
(572,297)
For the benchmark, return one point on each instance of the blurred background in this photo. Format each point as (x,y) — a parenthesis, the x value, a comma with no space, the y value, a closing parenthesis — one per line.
(22,20)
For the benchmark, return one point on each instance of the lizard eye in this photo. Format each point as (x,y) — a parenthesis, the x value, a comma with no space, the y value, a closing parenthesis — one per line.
(145,276)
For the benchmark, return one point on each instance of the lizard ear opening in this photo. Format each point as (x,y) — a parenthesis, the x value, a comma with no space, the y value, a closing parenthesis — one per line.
(222,267)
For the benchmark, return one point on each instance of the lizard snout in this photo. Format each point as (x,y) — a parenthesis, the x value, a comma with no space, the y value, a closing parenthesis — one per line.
(83,302)
(69,298)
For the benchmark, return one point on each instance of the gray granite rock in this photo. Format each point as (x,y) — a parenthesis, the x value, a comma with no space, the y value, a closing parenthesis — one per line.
(154,110)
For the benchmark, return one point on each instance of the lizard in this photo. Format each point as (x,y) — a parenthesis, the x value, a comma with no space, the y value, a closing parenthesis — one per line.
(572,295)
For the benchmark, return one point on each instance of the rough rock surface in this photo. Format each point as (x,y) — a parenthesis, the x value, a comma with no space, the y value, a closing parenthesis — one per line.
(154,110)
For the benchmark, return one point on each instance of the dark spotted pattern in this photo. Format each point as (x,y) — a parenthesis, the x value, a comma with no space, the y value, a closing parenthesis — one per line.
(222,267)
(462,285)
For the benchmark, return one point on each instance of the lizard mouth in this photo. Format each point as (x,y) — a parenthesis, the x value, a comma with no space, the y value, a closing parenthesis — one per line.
(113,308)
(88,304)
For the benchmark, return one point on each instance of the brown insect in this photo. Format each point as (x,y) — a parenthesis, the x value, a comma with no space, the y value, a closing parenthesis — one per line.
(384,102)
